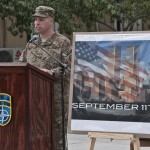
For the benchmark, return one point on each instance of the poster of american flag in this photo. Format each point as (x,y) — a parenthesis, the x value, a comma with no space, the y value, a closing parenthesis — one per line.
(110,87)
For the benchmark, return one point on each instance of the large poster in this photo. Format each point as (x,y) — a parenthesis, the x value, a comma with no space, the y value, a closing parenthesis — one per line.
(110,87)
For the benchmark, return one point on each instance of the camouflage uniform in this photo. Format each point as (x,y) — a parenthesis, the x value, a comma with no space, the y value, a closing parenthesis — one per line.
(59,47)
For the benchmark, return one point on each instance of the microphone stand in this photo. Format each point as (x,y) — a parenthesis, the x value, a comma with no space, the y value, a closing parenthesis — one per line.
(62,71)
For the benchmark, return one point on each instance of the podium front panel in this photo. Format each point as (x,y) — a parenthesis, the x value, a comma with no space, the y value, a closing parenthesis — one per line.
(31,124)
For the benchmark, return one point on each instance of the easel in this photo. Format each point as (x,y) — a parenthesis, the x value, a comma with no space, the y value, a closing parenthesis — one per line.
(144,142)
(131,137)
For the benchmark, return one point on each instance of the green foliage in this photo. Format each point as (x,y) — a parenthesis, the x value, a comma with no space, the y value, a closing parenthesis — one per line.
(72,14)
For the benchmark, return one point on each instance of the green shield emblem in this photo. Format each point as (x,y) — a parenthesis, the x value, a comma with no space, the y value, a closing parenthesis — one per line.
(5,109)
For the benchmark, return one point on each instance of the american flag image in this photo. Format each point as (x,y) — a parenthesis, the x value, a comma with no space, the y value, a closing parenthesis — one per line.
(102,75)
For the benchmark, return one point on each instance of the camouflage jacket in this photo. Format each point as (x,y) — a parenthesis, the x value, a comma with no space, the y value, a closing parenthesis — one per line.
(58,46)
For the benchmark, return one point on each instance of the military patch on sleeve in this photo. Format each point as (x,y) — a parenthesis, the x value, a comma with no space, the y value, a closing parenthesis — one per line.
(5,109)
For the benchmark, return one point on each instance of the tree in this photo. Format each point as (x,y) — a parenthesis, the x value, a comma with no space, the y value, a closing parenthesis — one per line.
(107,12)
(19,13)
(72,14)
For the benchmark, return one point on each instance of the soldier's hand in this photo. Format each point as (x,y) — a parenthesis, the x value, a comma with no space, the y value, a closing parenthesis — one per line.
(48,71)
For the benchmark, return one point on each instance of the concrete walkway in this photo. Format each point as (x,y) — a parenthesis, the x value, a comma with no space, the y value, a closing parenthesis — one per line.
(80,142)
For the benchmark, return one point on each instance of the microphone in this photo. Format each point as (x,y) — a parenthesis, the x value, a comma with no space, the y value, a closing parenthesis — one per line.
(33,38)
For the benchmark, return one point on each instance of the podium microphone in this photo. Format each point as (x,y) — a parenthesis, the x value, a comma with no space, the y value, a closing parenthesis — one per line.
(33,38)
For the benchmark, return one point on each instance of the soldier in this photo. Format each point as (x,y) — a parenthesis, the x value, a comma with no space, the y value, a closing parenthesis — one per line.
(58,46)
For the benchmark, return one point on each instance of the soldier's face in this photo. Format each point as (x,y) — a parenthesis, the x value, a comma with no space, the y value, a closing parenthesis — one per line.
(42,25)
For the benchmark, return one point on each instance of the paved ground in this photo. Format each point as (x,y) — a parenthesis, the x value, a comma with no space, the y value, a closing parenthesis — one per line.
(80,142)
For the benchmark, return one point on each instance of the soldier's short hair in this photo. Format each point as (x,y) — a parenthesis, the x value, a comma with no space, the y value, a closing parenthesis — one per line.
(44,11)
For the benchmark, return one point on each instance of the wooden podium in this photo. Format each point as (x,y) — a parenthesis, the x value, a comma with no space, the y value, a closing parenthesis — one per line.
(31,124)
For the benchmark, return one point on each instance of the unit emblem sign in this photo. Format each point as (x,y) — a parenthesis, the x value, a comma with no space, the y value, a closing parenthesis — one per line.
(5,109)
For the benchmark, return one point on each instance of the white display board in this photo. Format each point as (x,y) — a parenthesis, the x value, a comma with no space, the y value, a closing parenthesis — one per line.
(110,83)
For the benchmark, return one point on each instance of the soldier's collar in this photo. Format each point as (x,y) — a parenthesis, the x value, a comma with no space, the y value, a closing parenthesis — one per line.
(49,40)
